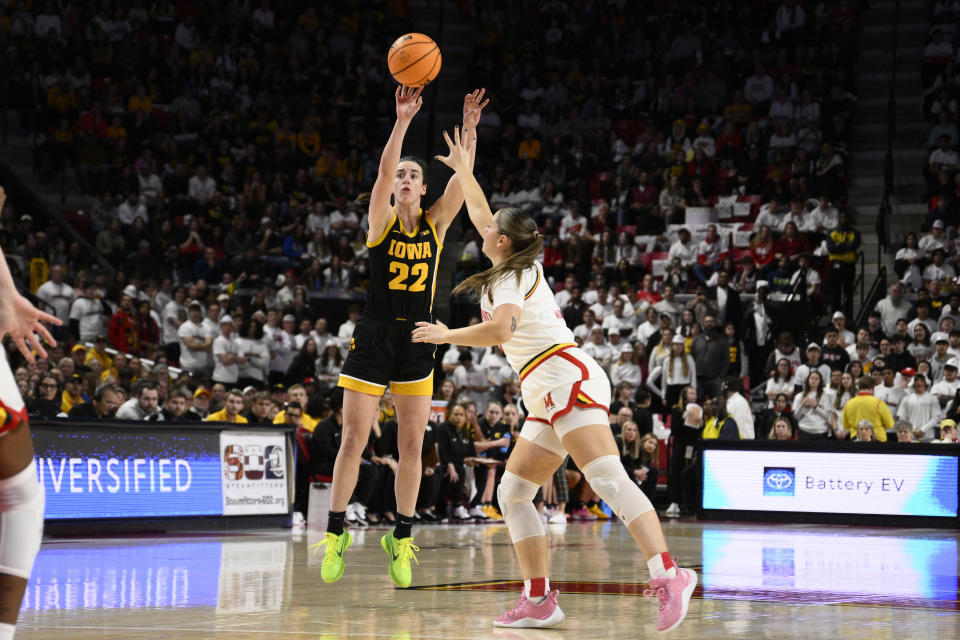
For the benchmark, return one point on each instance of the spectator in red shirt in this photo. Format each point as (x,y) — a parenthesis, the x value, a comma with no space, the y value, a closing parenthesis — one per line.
(123,328)
(791,243)
(147,330)
(553,258)
(91,122)
(647,195)
(648,291)
(761,248)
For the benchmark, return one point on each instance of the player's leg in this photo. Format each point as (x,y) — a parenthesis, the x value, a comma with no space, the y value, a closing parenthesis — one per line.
(533,461)
(594,450)
(21,522)
(413,413)
(358,413)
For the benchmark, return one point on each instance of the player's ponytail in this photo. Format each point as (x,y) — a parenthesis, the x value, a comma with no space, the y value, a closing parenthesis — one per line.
(527,243)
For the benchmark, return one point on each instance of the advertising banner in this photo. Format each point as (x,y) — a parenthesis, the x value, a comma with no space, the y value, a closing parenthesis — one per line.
(870,483)
(100,472)
(254,473)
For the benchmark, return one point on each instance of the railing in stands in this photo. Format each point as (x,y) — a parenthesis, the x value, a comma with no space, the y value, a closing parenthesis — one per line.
(883,213)
(877,291)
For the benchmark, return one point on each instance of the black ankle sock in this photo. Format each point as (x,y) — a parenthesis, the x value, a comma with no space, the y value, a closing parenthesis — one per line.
(404,526)
(335,521)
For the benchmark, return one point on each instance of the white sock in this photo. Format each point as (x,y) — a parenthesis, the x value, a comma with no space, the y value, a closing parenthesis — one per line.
(6,631)
(657,569)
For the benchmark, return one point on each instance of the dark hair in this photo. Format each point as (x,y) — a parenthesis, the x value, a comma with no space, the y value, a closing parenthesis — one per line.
(245,329)
(179,392)
(527,244)
(424,167)
(102,389)
(143,385)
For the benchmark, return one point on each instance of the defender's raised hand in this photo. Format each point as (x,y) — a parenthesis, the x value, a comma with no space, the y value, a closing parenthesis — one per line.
(458,157)
(473,104)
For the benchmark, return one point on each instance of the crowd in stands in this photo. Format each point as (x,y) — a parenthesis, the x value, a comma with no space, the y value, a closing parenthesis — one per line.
(226,147)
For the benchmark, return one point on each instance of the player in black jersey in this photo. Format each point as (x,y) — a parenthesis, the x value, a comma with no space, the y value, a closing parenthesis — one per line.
(405,243)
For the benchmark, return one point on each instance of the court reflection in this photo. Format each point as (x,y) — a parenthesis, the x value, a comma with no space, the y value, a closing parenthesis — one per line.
(812,567)
(234,576)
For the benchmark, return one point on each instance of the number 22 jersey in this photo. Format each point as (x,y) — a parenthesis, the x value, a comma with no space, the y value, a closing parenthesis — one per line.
(403,269)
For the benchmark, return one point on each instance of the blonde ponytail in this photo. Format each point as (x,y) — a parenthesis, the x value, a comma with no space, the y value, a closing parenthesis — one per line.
(526,240)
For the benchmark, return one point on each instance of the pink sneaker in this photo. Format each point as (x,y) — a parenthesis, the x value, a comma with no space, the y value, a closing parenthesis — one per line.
(674,595)
(582,514)
(527,614)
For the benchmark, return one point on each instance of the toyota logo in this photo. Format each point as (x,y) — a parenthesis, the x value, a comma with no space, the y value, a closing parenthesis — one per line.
(779,480)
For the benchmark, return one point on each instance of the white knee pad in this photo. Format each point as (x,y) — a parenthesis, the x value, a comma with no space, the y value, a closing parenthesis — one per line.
(21,522)
(610,480)
(516,503)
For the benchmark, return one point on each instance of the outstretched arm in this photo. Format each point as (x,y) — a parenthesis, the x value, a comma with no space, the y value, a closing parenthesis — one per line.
(408,104)
(18,317)
(446,208)
(460,160)
(483,334)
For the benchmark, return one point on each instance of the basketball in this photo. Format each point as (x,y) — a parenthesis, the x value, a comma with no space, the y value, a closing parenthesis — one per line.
(414,60)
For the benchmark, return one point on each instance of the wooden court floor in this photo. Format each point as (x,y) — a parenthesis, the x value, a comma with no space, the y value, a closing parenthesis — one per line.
(756,581)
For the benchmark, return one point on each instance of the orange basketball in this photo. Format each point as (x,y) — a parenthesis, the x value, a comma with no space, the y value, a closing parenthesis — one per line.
(414,60)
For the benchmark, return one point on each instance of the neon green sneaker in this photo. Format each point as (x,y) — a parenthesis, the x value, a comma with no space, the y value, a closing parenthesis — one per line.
(333,566)
(400,552)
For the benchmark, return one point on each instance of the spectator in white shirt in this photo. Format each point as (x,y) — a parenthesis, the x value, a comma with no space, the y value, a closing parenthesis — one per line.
(279,340)
(946,387)
(574,224)
(151,187)
(598,349)
(131,209)
(939,269)
(471,380)
(264,15)
(617,322)
(186,34)
(771,215)
(935,239)
(921,409)
(58,296)
(174,313)
(892,308)
(823,217)
(195,346)
(201,186)
(938,49)
(789,18)
(582,331)
(345,332)
(226,354)
(87,319)
(563,296)
(758,88)
(321,335)
(739,408)
(943,157)
(684,249)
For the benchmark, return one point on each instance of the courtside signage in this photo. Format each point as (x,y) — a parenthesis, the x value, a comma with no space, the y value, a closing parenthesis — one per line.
(112,473)
(254,473)
(895,484)
(97,472)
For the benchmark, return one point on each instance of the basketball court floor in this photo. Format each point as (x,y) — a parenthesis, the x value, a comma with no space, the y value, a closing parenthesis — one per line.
(756,581)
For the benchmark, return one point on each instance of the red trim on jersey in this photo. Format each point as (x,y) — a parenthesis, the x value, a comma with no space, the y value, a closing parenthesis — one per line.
(535,419)
(10,419)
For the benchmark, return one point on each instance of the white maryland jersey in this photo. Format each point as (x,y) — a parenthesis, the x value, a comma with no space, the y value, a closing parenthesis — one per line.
(541,322)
